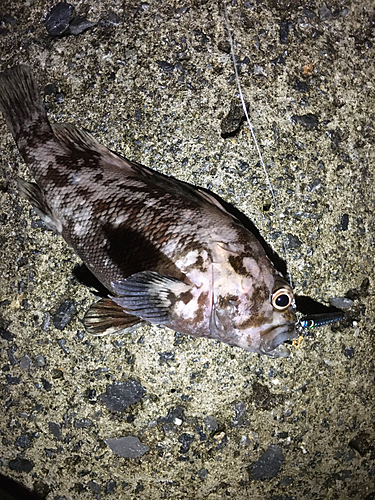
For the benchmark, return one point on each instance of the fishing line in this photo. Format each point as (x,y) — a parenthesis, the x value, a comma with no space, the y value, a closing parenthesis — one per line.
(270,187)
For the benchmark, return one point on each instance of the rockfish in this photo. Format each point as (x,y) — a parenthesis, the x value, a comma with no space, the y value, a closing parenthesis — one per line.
(168,253)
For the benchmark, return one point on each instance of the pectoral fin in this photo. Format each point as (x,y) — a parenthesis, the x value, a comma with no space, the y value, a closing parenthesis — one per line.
(34,194)
(149,295)
(105,317)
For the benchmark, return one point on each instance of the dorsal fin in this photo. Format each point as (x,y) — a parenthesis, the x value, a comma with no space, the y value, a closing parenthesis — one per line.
(70,134)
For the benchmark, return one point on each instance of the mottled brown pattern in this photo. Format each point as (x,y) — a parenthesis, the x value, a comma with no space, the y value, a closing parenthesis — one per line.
(254,320)
(199,315)
(260,294)
(185,297)
(226,301)
(236,261)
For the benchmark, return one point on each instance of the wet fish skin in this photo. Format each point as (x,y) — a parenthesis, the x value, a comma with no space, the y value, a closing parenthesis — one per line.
(168,252)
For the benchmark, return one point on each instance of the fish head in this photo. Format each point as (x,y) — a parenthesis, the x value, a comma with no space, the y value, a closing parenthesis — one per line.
(253,307)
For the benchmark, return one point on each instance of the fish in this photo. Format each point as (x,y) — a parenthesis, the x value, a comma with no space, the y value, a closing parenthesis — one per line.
(168,252)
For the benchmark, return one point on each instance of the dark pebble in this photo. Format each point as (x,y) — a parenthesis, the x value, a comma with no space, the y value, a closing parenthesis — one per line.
(39,360)
(58,18)
(113,18)
(278,60)
(50,89)
(98,371)
(325,14)
(109,18)
(202,474)
(344,223)
(110,486)
(211,423)
(263,398)
(55,429)
(61,343)
(300,86)
(336,137)
(12,359)
(59,98)
(25,362)
(21,464)
(13,380)
(6,335)
(292,241)
(224,46)
(309,14)
(272,373)
(127,447)
(79,24)
(286,481)
(8,19)
(82,423)
(239,414)
(45,321)
(94,487)
(199,430)
(172,414)
(348,352)
(120,395)
(309,120)
(268,465)
(47,385)
(232,122)
(23,442)
(165,66)
(166,356)
(185,439)
(64,314)
(91,395)
(362,291)
(284,31)
(362,443)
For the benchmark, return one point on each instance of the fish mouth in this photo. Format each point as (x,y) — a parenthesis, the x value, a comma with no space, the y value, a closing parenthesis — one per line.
(274,337)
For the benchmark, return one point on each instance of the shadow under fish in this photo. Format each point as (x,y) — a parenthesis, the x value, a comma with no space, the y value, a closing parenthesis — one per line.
(166,251)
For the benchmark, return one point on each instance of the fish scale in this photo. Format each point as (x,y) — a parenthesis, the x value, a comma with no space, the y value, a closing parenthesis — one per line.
(166,251)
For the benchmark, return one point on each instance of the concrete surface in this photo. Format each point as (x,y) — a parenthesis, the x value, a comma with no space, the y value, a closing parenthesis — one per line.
(153,80)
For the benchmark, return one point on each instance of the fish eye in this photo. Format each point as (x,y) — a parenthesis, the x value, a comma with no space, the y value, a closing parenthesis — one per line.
(281,299)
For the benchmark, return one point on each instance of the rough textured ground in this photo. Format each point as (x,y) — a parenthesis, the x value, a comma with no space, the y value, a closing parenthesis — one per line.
(153,80)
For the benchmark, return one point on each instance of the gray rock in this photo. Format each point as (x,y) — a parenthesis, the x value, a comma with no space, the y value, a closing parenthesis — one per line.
(127,447)
(79,24)
(308,121)
(120,395)
(25,362)
(268,465)
(21,464)
(39,360)
(64,314)
(58,18)
(341,302)
(211,423)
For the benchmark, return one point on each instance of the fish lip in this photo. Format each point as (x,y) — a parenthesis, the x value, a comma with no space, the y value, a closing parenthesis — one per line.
(268,347)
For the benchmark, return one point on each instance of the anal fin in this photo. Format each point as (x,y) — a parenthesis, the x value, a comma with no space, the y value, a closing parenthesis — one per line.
(105,317)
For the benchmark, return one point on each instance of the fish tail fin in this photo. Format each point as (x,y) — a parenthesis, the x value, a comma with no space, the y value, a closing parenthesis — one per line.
(22,106)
